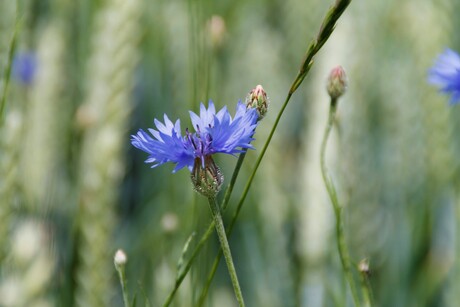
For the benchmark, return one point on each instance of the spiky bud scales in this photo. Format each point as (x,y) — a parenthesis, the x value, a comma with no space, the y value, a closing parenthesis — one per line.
(257,99)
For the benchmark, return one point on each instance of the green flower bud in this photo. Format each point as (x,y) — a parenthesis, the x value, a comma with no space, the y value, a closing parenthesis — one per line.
(337,82)
(120,259)
(257,98)
(364,268)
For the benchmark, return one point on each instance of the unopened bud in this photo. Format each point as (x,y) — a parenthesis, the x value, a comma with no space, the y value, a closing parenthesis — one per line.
(337,82)
(207,180)
(120,259)
(257,99)
(363,266)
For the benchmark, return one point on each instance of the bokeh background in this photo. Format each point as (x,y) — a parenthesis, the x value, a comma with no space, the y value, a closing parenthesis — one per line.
(87,74)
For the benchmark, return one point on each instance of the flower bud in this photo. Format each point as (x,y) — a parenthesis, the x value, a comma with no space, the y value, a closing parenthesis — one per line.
(337,82)
(257,98)
(207,179)
(120,259)
(363,267)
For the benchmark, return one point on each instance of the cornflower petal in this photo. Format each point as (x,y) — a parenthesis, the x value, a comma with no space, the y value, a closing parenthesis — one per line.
(446,74)
(223,113)
(230,136)
(167,145)
(206,117)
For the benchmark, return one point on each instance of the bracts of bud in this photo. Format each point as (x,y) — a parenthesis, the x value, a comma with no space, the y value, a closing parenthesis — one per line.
(337,82)
(120,259)
(207,178)
(257,99)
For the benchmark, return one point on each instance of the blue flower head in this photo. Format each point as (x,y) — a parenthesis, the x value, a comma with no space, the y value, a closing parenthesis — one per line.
(24,67)
(446,74)
(214,133)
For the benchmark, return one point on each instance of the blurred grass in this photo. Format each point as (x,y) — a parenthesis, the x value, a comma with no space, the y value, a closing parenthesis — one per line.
(393,154)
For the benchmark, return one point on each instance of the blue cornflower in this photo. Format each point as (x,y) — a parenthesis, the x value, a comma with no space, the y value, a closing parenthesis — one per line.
(214,133)
(446,74)
(24,67)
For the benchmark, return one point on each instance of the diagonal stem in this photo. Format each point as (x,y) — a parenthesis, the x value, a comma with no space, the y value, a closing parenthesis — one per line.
(231,185)
(7,73)
(326,30)
(187,267)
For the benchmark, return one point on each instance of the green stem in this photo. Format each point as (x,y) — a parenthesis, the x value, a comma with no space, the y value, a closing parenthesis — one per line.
(229,190)
(215,264)
(187,267)
(122,276)
(7,74)
(367,296)
(341,244)
(207,233)
(204,292)
(366,285)
(224,205)
(225,248)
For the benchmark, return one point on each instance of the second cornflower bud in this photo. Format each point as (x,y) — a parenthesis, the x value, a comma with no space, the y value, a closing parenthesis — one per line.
(337,82)
(257,99)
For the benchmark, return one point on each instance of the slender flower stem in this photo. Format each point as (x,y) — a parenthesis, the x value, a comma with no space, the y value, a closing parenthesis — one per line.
(215,264)
(225,248)
(207,233)
(368,298)
(229,190)
(341,244)
(7,73)
(212,273)
(326,29)
(187,267)
(122,276)
(367,292)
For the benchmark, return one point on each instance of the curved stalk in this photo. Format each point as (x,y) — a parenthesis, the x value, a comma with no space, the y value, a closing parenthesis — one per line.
(341,244)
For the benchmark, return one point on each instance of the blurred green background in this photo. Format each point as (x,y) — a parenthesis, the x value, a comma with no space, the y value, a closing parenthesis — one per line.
(73,190)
